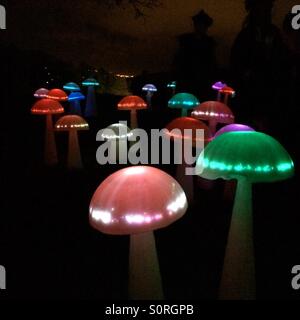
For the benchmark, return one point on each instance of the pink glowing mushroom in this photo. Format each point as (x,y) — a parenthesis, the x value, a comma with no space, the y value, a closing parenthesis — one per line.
(41,93)
(194,132)
(214,112)
(48,107)
(218,86)
(58,95)
(73,124)
(227,92)
(136,201)
(132,103)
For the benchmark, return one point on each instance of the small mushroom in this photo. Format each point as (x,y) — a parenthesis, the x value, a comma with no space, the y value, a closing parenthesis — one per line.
(48,107)
(248,157)
(218,86)
(136,201)
(132,103)
(149,89)
(233,128)
(172,85)
(228,92)
(41,93)
(71,86)
(183,101)
(58,95)
(214,112)
(74,99)
(72,123)
(90,109)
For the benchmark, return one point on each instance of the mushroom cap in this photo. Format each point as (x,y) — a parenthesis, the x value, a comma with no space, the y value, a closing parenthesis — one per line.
(233,127)
(219,85)
(76,96)
(188,123)
(41,93)
(149,87)
(252,155)
(135,200)
(71,86)
(183,101)
(172,84)
(47,106)
(132,103)
(120,131)
(213,110)
(71,122)
(227,90)
(57,94)
(90,82)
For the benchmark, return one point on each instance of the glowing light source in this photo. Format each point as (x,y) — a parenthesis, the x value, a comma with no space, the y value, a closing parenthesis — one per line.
(183,101)
(47,106)
(70,122)
(41,93)
(172,85)
(76,96)
(71,86)
(149,88)
(232,128)
(121,131)
(219,85)
(58,95)
(90,83)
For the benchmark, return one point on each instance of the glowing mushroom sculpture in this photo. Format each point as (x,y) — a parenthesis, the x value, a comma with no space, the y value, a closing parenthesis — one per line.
(214,112)
(74,99)
(48,107)
(235,127)
(41,93)
(227,92)
(183,101)
(71,86)
(172,86)
(193,134)
(58,95)
(149,89)
(133,104)
(219,86)
(248,157)
(136,201)
(90,109)
(72,124)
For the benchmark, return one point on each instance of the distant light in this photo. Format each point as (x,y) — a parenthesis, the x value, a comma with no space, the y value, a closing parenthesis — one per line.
(127,76)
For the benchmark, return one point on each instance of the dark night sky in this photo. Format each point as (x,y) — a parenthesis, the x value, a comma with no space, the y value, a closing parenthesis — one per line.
(86,31)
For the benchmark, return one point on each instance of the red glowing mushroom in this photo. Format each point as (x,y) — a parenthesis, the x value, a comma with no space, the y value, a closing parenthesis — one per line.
(132,103)
(227,91)
(214,112)
(197,135)
(72,123)
(58,95)
(136,201)
(48,107)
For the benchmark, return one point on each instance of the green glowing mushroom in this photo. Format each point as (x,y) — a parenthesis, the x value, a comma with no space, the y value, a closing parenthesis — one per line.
(248,157)
(183,101)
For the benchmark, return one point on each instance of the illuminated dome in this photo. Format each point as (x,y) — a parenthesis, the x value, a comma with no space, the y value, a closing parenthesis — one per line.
(76,96)
(71,86)
(183,101)
(219,85)
(150,88)
(132,103)
(232,128)
(172,84)
(253,155)
(70,122)
(137,200)
(57,94)
(90,83)
(47,106)
(227,90)
(116,131)
(188,123)
(41,93)
(213,110)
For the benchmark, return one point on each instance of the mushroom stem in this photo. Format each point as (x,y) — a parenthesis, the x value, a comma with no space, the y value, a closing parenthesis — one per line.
(144,272)
(148,97)
(50,144)
(74,156)
(75,107)
(184,112)
(238,278)
(219,96)
(213,126)
(133,119)
(226,99)
(90,110)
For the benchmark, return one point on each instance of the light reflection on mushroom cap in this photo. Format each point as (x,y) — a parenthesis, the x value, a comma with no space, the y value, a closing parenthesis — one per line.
(183,101)
(71,86)
(136,200)
(232,128)
(47,106)
(132,103)
(70,122)
(41,93)
(57,94)
(149,87)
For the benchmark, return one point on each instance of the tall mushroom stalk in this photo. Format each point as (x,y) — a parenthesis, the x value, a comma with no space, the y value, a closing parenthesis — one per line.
(149,89)
(90,109)
(248,157)
(136,201)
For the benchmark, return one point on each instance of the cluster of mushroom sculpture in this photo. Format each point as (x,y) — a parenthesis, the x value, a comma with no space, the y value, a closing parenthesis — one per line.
(137,200)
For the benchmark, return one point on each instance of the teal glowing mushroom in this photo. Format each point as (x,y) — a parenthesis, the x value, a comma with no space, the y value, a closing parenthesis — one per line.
(71,86)
(184,101)
(248,157)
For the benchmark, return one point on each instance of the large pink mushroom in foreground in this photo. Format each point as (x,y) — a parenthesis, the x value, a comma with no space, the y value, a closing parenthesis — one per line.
(136,201)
